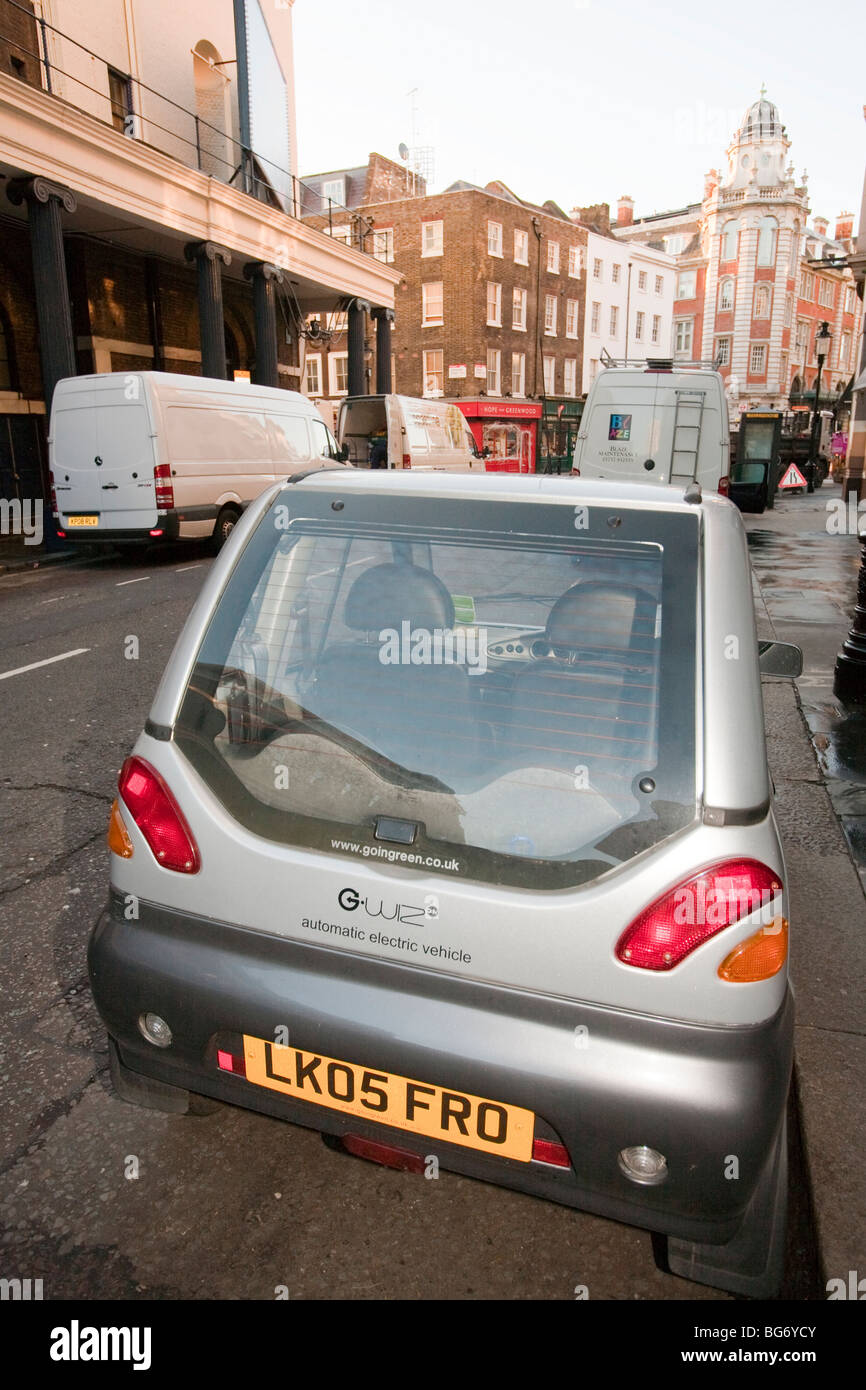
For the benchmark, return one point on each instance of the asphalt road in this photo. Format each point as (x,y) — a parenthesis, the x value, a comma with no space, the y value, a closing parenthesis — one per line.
(232,1205)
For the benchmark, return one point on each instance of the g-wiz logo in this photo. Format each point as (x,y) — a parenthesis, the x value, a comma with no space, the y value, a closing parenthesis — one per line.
(77,1343)
(403,912)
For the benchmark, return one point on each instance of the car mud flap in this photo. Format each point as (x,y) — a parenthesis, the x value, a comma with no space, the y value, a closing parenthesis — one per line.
(142,1090)
(752,1264)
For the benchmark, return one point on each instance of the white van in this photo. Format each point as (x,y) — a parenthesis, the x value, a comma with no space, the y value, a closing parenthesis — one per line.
(158,456)
(662,423)
(418,434)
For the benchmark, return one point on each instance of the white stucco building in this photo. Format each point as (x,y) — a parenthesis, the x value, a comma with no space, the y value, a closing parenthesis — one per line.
(629,302)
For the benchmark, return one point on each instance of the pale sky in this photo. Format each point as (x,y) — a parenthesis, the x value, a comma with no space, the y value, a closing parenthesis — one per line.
(583,100)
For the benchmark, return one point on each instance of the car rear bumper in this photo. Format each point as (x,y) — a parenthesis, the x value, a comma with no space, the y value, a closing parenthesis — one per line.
(712,1100)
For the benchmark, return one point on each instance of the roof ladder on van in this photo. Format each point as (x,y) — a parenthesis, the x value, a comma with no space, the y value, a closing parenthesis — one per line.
(688,419)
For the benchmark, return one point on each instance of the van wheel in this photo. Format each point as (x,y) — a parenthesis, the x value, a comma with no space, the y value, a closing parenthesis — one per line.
(225,524)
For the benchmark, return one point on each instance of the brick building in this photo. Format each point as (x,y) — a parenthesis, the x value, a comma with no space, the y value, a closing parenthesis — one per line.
(754,278)
(491,298)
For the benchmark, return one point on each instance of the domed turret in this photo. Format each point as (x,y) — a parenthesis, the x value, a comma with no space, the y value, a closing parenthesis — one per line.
(761,122)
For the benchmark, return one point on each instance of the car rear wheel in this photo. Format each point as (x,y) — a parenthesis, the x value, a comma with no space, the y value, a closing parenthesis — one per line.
(225,524)
(752,1264)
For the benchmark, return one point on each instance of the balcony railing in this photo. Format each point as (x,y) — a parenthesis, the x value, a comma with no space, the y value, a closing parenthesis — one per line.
(156,121)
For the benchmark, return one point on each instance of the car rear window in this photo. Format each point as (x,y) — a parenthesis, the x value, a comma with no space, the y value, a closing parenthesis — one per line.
(506,692)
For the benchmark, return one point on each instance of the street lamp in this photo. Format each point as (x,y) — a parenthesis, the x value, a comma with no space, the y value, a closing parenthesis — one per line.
(822,348)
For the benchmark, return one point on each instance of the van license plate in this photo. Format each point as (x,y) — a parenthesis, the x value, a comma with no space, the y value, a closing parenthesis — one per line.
(82,521)
(415,1106)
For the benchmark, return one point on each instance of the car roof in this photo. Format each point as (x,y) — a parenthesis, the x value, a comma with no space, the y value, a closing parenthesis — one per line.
(507,487)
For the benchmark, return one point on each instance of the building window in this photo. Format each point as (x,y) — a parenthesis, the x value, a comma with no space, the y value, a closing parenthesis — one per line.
(521,246)
(574,262)
(338,367)
(120,93)
(660,284)
(614,320)
(518,310)
(518,373)
(494,305)
(596,270)
(762,302)
(313,376)
(337,323)
(758,359)
(768,231)
(595,320)
(726,295)
(675,244)
(434,372)
(549,366)
(683,337)
(593,369)
(553,257)
(638,326)
(656,328)
(431,303)
(614,274)
(807,285)
(789,309)
(783,373)
(494,238)
(826,293)
(849,301)
(342,233)
(723,351)
(383,244)
(844,349)
(431,238)
(333,191)
(569,381)
(550,314)
(572,309)
(686,282)
(801,339)
(494,366)
(730,241)
(641,280)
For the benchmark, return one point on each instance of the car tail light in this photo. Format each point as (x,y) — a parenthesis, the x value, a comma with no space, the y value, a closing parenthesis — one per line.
(158,817)
(407,460)
(118,839)
(695,910)
(230,1061)
(157,531)
(725,486)
(545,1151)
(759,956)
(387,1154)
(163,484)
(53,493)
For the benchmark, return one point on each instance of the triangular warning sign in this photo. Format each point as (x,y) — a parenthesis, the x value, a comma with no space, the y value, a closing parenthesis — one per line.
(793,477)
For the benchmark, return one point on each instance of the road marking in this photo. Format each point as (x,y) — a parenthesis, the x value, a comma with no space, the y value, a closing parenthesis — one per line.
(49,661)
(187,568)
(53,600)
(132,581)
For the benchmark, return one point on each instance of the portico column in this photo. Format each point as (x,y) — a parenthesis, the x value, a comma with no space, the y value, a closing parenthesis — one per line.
(357,383)
(265,278)
(53,313)
(209,257)
(384,318)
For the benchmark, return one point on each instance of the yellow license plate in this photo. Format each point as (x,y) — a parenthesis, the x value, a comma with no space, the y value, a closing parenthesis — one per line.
(434,1111)
(82,521)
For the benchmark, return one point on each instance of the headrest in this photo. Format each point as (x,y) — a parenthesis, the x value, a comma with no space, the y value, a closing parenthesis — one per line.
(601,615)
(389,595)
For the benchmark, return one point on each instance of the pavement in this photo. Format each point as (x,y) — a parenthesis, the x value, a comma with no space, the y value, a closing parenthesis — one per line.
(805,583)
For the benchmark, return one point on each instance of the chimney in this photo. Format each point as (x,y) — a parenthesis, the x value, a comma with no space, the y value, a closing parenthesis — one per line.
(820,224)
(844,226)
(625,211)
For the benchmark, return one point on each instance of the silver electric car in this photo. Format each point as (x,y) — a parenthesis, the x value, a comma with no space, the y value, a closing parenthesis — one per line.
(450,832)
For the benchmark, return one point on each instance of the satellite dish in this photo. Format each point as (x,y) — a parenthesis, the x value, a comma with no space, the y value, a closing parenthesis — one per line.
(403,151)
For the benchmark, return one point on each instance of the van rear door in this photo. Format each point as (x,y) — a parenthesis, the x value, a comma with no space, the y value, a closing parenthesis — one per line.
(102,459)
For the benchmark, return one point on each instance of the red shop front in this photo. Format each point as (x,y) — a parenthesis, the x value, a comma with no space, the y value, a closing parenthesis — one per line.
(509,429)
